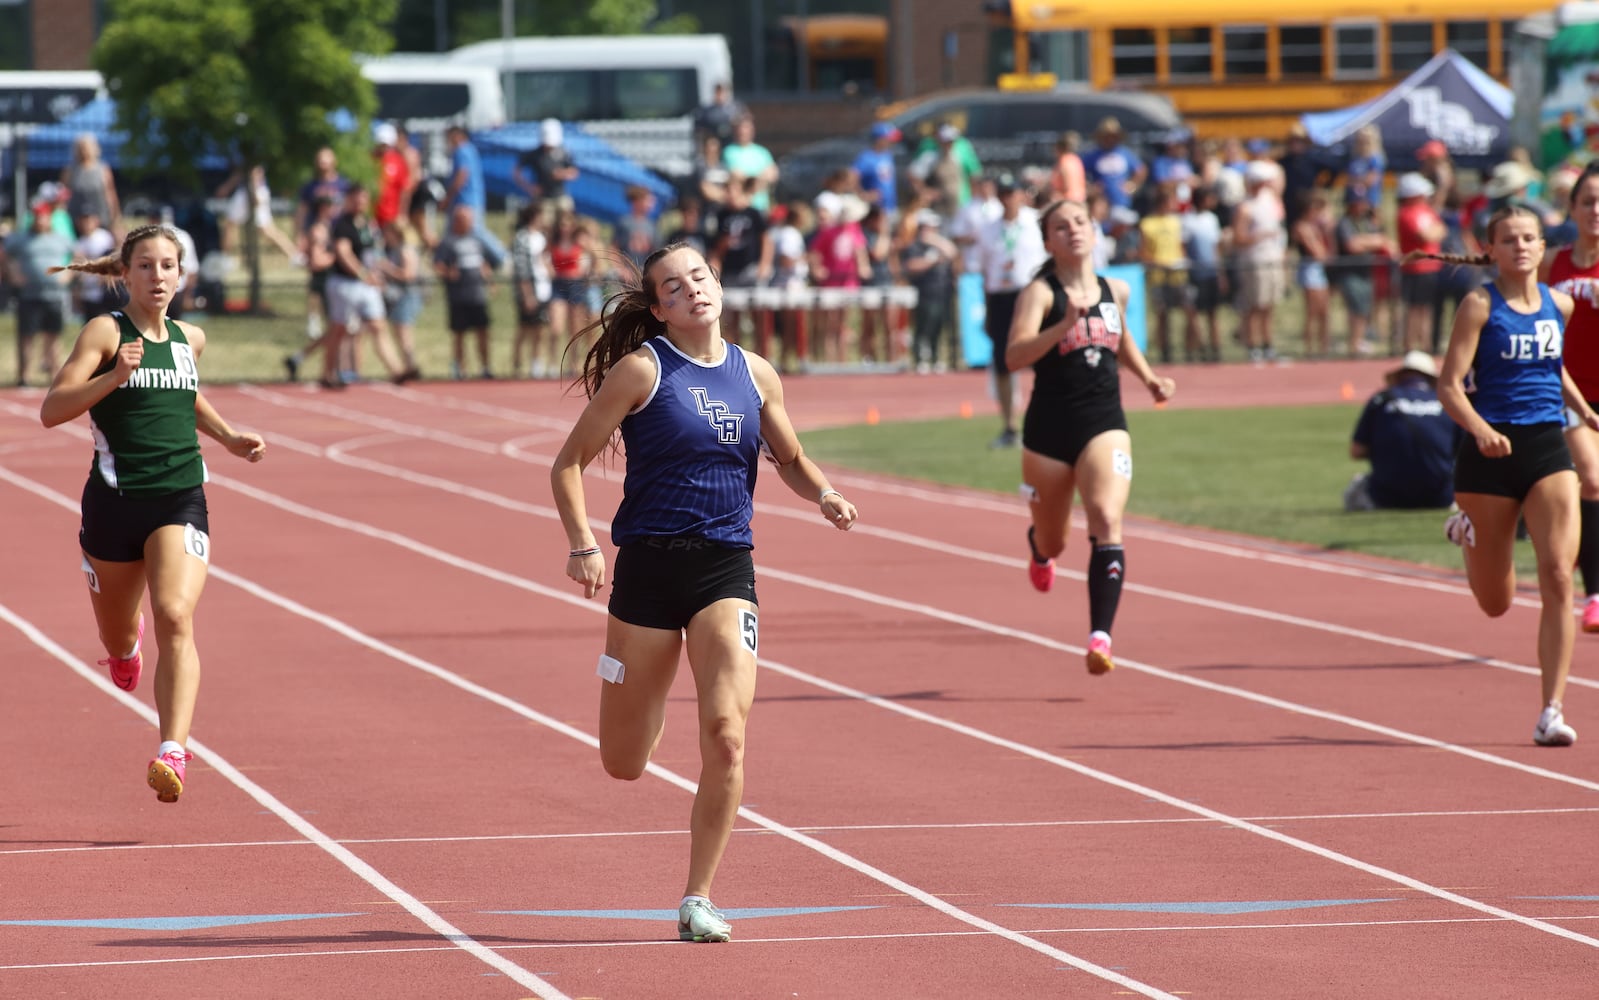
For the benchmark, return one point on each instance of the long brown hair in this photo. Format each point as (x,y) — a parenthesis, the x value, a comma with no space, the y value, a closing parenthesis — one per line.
(625,322)
(1508,210)
(113,266)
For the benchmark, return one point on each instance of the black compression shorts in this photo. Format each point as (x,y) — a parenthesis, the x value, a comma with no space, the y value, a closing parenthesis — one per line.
(664,582)
(1536,452)
(115,527)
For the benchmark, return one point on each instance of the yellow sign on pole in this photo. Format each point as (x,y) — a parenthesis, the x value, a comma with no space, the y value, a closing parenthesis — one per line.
(1027,81)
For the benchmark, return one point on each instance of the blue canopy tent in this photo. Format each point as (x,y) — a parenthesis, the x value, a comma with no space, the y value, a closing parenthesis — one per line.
(49,147)
(1447,99)
(604,175)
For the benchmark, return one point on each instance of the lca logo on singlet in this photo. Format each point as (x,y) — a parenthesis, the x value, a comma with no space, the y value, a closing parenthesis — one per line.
(727,424)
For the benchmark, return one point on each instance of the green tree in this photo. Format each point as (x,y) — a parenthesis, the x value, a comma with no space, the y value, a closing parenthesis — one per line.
(257,81)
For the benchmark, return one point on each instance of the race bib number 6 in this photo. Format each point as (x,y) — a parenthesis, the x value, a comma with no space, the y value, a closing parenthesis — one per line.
(197,543)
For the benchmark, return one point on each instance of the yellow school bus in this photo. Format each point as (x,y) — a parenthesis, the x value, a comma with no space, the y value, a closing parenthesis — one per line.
(1246,68)
(829,53)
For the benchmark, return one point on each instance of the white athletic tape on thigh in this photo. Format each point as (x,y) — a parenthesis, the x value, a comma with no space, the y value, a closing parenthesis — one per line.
(1121,463)
(610,669)
(90,575)
(1029,492)
(197,543)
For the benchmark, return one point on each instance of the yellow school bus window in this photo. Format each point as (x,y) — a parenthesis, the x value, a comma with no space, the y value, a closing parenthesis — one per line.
(1133,53)
(1470,39)
(1189,52)
(1244,49)
(1507,38)
(1355,51)
(1409,45)
(1301,51)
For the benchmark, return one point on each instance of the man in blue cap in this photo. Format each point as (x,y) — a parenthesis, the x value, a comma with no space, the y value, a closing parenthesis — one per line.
(875,169)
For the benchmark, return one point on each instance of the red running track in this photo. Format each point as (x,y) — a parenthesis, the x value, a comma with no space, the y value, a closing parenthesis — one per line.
(1310,776)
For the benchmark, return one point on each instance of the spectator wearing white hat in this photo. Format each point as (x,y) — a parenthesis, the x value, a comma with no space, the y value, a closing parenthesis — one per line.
(947,163)
(1260,240)
(545,171)
(394,175)
(1420,230)
(1409,440)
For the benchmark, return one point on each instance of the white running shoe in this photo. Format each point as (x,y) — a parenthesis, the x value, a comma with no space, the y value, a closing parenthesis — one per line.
(1460,530)
(698,920)
(1552,730)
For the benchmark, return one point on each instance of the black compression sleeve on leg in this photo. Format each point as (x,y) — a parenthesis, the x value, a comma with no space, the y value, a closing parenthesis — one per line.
(1107,565)
(1588,548)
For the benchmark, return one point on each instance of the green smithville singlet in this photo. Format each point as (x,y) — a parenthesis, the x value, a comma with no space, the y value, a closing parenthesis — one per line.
(145,442)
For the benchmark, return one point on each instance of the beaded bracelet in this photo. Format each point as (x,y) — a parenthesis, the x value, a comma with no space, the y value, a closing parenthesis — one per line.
(592,550)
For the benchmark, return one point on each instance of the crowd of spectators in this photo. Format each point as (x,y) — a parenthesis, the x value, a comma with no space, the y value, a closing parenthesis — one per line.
(1226,233)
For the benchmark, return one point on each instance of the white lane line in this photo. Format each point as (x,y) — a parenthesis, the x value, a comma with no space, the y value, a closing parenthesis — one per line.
(360,638)
(964,498)
(885,936)
(299,824)
(421,548)
(341,452)
(828,828)
(335,453)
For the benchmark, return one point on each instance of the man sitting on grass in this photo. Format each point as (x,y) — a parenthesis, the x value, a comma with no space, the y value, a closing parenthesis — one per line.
(1410,441)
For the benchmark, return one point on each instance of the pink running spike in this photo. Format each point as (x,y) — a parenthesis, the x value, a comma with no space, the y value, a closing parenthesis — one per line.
(1042,574)
(1098,659)
(166,774)
(125,672)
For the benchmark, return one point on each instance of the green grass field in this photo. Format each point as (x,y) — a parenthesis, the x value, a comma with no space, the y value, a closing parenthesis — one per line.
(1271,472)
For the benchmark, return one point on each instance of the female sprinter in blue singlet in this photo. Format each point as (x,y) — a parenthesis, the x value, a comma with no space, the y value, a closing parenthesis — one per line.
(1506,346)
(695,413)
(1069,326)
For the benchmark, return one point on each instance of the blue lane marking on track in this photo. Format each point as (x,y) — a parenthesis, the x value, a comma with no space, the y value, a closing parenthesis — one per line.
(747,913)
(177,923)
(1260,906)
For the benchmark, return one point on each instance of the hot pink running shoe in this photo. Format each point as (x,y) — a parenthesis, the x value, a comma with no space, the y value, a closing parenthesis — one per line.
(1042,574)
(1098,659)
(125,673)
(166,774)
(1590,615)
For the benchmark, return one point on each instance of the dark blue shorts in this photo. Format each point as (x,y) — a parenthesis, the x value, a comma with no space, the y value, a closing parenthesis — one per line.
(115,526)
(1536,452)
(664,582)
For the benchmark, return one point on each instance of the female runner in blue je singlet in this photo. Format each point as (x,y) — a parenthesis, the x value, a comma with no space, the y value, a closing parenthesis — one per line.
(1504,382)
(695,414)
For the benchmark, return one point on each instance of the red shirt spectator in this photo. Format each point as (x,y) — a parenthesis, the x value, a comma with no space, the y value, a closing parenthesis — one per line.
(394,177)
(1420,226)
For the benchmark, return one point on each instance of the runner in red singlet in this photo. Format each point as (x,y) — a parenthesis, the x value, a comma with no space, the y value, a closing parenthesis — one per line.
(1575,271)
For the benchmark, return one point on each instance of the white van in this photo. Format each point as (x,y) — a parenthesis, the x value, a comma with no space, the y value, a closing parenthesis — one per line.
(430,92)
(637,92)
(44,97)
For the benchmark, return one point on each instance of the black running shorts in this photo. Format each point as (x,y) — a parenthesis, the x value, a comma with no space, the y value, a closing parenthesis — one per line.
(1536,451)
(664,582)
(115,527)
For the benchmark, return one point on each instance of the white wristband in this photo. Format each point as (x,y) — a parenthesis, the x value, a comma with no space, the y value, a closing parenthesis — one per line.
(829,492)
